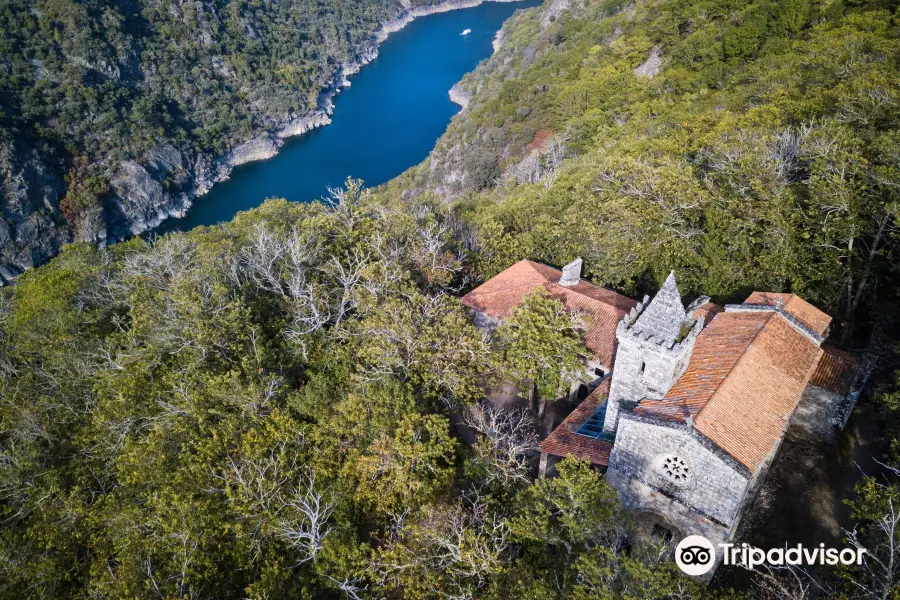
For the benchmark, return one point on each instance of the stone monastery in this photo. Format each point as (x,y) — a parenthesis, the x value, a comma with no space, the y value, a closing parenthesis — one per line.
(686,407)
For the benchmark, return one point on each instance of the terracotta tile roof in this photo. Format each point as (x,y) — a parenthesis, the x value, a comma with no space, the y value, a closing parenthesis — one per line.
(707,310)
(746,376)
(717,350)
(499,296)
(565,442)
(795,306)
(836,371)
(749,413)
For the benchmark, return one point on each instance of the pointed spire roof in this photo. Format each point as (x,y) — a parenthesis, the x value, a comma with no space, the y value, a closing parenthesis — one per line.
(665,314)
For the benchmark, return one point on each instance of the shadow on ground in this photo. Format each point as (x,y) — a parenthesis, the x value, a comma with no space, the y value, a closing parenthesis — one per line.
(801,500)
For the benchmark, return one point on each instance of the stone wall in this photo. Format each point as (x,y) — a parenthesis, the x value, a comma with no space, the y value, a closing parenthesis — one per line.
(817,415)
(643,500)
(644,369)
(485,322)
(651,507)
(715,486)
(588,377)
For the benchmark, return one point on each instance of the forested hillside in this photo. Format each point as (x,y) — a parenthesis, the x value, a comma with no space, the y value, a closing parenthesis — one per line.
(267,408)
(748,145)
(114,114)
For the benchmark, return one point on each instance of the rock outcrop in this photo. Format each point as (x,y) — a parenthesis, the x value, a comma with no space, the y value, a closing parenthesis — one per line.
(139,201)
(497,43)
(556,9)
(259,148)
(650,67)
(460,95)
(301,125)
(31,227)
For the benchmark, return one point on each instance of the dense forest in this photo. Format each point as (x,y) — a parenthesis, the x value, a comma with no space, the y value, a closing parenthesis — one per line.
(114,110)
(746,145)
(271,408)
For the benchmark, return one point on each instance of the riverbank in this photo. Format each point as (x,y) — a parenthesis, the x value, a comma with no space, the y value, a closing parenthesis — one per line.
(341,79)
(399,23)
(385,123)
(164,183)
(210,171)
(322,116)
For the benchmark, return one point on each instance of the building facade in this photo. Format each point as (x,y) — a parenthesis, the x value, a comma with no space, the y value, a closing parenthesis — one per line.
(698,403)
(497,298)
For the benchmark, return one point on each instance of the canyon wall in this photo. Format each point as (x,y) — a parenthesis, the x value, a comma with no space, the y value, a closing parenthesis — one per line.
(145,191)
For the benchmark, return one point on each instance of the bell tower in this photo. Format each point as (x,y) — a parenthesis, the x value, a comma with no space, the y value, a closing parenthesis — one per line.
(655,341)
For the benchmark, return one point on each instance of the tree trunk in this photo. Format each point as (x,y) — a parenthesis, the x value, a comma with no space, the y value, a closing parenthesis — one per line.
(854,299)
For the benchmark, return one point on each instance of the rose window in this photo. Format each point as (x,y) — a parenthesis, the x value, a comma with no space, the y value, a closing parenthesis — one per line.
(673,469)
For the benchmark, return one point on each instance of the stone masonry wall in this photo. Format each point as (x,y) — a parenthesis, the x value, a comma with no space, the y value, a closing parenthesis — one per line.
(715,487)
(820,414)
(661,369)
(640,498)
(486,322)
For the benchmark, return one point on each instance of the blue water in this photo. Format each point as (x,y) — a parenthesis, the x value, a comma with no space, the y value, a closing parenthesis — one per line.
(385,123)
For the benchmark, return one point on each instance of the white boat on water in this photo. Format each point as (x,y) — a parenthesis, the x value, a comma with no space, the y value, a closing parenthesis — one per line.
(466,32)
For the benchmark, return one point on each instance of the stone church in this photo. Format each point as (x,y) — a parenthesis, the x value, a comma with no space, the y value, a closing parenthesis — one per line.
(687,405)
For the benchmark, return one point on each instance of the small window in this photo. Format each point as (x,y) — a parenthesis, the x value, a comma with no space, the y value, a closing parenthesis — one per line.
(599,372)
(643,365)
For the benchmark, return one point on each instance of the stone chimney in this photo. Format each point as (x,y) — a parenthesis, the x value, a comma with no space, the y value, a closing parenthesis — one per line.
(571,273)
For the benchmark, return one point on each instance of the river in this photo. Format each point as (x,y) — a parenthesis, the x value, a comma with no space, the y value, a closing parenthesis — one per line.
(386,122)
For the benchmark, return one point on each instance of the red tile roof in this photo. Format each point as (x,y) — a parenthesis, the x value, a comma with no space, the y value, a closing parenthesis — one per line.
(749,413)
(836,371)
(795,306)
(746,376)
(707,310)
(500,295)
(717,350)
(565,442)
(747,373)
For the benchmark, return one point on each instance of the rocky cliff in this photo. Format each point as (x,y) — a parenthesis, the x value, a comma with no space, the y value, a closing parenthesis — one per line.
(146,190)
(460,95)
(476,152)
(32,229)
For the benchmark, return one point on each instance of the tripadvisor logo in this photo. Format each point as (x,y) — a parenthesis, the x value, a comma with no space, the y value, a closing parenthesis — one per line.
(695,555)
